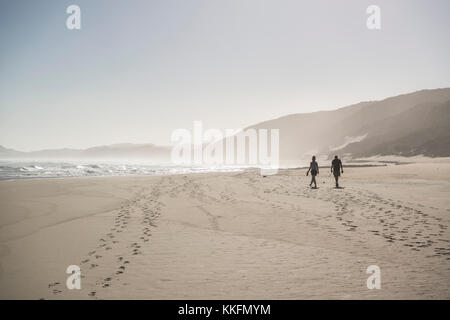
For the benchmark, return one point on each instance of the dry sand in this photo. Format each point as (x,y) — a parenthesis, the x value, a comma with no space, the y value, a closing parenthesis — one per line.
(229,235)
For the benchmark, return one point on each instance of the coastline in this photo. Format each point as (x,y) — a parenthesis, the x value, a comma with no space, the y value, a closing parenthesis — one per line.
(229,235)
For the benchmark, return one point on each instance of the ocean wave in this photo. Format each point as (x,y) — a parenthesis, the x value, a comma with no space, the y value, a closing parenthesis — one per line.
(18,170)
(30,168)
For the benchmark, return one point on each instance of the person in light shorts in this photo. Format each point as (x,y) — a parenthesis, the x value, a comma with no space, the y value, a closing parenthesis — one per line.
(314,168)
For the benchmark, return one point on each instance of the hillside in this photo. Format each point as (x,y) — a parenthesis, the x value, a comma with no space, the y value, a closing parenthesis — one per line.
(109,152)
(409,124)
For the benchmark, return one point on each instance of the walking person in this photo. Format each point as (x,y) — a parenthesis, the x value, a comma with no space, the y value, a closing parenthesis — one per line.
(314,168)
(337,169)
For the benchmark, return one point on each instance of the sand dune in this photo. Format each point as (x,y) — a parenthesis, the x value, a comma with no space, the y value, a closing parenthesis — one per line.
(229,235)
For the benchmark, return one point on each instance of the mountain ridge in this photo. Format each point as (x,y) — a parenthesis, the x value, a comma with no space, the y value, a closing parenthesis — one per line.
(112,151)
(407,124)
(305,134)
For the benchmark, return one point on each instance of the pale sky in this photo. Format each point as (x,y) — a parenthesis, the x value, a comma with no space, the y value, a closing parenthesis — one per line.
(137,70)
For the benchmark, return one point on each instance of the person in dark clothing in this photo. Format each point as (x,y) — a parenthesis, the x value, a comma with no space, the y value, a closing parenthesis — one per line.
(314,168)
(337,169)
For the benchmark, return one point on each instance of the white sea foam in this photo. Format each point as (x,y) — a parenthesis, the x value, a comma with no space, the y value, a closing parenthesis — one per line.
(51,169)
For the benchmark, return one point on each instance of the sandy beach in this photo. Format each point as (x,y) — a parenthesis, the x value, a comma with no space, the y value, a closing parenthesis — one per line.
(229,235)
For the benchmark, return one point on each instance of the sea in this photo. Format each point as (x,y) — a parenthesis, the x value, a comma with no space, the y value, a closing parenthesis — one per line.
(20,169)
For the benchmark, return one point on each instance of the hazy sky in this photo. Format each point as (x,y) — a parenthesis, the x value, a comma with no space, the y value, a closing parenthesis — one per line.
(137,70)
